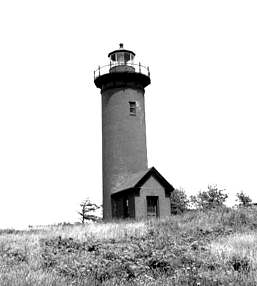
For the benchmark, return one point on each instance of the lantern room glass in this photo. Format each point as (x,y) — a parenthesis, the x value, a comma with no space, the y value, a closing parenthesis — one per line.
(122,58)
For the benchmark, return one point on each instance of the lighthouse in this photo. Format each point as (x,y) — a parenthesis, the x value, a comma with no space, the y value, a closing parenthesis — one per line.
(130,188)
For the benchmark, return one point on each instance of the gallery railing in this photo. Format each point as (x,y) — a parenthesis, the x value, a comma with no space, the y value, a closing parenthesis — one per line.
(121,67)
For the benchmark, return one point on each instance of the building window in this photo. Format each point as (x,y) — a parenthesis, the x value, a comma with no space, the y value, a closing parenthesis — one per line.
(132,108)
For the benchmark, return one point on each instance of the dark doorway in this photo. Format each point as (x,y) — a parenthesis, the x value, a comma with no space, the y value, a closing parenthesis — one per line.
(126,207)
(123,206)
(152,207)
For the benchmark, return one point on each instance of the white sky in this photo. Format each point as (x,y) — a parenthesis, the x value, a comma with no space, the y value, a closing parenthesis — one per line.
(200,108)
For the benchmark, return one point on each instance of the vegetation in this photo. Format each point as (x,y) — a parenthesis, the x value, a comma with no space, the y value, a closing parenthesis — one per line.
(214,246)
(243,199)
(87,211)
(179,201)
(212,198)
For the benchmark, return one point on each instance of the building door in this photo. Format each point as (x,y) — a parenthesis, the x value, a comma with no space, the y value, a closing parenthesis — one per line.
(126,207)
(152,207)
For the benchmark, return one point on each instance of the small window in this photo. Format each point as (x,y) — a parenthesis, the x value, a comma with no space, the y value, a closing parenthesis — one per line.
(132,108)
(113,57)
(120,58)
(127,57)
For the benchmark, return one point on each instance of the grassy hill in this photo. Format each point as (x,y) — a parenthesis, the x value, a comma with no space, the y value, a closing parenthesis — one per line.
(217,247)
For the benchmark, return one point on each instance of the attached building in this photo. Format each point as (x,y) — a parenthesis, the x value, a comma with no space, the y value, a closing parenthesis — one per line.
(142,195)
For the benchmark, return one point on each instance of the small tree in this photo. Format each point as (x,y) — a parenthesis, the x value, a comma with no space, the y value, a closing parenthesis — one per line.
(212,198)
(243,199)
(178,201)
(87,208)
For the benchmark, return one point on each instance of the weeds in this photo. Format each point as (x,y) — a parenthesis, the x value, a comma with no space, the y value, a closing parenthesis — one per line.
(217,247)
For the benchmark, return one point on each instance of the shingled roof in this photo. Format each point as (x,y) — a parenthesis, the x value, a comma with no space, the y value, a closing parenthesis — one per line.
(138,179)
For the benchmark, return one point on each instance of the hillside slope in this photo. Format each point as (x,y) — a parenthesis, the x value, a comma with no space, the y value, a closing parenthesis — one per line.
(218,247)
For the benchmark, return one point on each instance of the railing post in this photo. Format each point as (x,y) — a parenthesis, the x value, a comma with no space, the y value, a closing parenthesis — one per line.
(139,67)
(94,74)
(99,70)
(148,71)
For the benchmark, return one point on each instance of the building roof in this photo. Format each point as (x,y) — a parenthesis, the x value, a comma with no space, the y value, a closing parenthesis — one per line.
(138,179)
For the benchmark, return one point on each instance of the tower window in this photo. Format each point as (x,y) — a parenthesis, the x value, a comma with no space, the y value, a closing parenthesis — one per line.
(132,108)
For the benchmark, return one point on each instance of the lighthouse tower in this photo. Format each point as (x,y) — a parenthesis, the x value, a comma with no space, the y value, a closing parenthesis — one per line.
(124,153)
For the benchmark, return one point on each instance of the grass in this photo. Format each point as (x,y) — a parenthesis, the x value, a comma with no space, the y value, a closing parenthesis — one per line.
(216,247)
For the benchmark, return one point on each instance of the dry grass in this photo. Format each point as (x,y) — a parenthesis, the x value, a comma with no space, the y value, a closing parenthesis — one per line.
(241,245)
(103,231)
(218,247)
(21,252)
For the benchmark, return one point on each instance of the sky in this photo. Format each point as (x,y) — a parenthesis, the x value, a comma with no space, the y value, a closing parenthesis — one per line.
(200,107)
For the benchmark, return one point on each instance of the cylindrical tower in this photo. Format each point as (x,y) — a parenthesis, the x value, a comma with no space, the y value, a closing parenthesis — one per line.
(122,84)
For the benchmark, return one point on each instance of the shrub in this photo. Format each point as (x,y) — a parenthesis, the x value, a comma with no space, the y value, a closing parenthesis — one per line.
(243,199)
(178,201)
(212,198)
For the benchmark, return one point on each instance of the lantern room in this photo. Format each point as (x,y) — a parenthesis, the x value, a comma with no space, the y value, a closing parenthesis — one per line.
(121,67)
(121,56)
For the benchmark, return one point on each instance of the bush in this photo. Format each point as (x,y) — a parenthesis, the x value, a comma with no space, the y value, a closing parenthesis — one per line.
(212,198)
(243,199)
(178,201)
